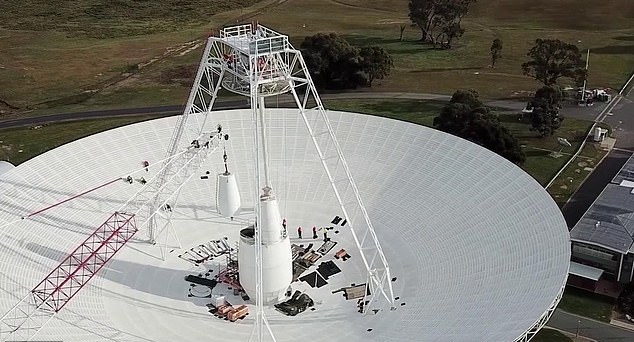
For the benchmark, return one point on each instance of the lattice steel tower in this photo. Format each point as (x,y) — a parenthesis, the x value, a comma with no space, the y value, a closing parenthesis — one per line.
(252,61)
(257,62)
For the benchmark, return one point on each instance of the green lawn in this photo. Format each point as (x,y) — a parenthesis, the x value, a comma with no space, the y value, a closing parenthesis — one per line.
(575,173)
(20,144)
(421,112)
(550,335)
(586,304)
(539,163)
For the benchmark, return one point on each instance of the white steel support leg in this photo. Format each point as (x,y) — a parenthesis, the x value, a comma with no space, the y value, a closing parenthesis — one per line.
(259,146)
(201,100)
(24,320)
(149,203)
(338,172)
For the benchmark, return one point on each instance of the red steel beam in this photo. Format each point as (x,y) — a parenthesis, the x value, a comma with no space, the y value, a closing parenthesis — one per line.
(73,197)
(84,262)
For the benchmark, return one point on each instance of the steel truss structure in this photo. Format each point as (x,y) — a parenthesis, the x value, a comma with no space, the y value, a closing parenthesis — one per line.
(253,61)
(25,319)
(189,127)
(30,315)
(257,62)
(543,319)
(152,203)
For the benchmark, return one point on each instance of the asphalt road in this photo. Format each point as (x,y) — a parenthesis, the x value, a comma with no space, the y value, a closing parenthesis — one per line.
(230,103)
(593,186)
(160,110)
(621,119)
(590,328)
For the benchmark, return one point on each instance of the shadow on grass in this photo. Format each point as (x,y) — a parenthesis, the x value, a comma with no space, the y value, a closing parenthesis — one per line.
(409,51)
(615,50)
(392,45)
(536,153)
(359,40)
(624,38)
(514,118)
(416,111)
(445,69)
(549,335)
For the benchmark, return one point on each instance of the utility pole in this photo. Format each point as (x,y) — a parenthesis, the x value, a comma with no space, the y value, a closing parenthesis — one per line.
(585,78)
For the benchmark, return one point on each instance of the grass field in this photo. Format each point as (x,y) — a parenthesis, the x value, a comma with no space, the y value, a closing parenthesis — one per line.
(575,174)
(21,144)
(586,304)
(550,335)
(539,163)
(50,63)
(111,18)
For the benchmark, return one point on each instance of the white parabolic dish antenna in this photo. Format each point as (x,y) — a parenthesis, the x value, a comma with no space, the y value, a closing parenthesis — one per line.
(479,251)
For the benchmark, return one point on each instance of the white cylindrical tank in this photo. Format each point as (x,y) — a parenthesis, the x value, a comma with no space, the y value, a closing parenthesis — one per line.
(228,195)
(277,262)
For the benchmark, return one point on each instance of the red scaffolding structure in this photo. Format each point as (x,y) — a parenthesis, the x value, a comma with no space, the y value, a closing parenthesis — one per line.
(81,265)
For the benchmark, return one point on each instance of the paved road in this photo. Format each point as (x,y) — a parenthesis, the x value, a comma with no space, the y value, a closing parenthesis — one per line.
(230,103)
(622,122)
(593,185)
(590,328)
(621,118)
(38,120)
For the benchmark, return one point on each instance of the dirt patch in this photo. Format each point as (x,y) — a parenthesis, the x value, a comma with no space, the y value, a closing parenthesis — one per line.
(180,74)
(7,109)
(404,21)
(176,76)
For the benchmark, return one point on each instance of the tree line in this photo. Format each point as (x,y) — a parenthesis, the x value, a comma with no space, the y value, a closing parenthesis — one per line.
(440,21)
(336,64)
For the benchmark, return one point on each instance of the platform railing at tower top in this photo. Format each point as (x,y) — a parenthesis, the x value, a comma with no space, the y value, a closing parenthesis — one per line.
(240,30)
(261,46)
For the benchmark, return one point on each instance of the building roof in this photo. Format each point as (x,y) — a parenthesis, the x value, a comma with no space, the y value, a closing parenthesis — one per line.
(626,174)
(585,271)
(609,222)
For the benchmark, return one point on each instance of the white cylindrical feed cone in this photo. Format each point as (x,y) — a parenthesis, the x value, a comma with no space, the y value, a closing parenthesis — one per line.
(277,268)
(228,195)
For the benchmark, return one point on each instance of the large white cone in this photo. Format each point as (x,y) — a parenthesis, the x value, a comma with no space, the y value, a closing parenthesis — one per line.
(277,268)
(228,195)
